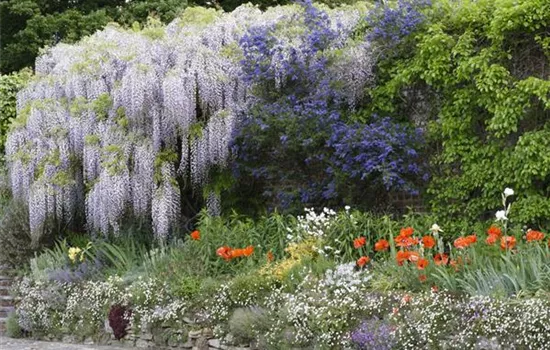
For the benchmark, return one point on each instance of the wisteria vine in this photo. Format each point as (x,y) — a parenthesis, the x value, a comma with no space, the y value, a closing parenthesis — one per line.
(125,122)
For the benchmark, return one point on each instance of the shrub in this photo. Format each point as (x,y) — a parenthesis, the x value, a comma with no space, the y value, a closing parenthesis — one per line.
(247,324)
(13,330)
(295,147)
(476,75)
(15,237)
(9,86)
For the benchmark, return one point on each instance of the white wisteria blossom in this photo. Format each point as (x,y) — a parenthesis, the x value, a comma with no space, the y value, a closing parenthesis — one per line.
(124,122)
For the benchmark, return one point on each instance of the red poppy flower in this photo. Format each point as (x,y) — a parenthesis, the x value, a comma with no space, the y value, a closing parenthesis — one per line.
(422,263)
(441,259)
(224,252)
(491,239)
(406,231)
(248,250)
(195,235)
(362,261)
(507,242)
(359,242)
(428,242)
(405,241)
(422,278)
(381,245)
(414,256)
(401,257)
(236,253)
(463,242)
(494,230)
(533,235)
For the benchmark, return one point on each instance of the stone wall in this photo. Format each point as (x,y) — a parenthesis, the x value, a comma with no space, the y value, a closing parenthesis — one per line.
(164,339)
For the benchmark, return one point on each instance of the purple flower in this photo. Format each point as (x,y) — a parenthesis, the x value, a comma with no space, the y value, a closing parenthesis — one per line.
(373,334)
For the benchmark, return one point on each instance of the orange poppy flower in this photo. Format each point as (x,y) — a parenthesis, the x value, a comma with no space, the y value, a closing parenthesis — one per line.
(196,235)
(248,250)
(359,242)
(534,236)
(414,256)
(428,242)
(405,241)
(435,289)
(441,259)
(401,257)
(362,261)
(463,242)
(236,253)
(491,239)
(381,245)
(422,278)
(494,230)
(422,263)
(224,252)
(406,299)
(507,242)
(270,256)
(406,231)
(456,263)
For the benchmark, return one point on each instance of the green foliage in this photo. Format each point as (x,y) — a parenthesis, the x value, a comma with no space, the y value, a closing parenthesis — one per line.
(13,330)
(247,323)
(481,69)
(15,236)
(9,86)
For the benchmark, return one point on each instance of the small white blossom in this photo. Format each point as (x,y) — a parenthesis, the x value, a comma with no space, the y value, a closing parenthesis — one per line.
(508,192)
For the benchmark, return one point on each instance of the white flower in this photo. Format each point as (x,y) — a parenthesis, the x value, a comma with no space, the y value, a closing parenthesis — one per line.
(435,228)
(501,215)
(347,207)
(508,192)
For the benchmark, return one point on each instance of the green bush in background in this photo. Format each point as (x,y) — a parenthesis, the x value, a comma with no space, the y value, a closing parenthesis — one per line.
(9,86)
(479,72)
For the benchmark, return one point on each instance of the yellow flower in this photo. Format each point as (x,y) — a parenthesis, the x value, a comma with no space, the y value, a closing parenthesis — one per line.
(74,252)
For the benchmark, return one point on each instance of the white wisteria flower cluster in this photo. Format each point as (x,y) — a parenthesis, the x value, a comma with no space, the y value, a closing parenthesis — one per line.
(123,121)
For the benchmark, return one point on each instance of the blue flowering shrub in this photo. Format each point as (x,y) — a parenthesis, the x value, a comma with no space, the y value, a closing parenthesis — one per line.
(298,143)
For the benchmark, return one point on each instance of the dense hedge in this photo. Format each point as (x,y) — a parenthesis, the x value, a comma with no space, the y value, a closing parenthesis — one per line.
(9,86)
(478,73)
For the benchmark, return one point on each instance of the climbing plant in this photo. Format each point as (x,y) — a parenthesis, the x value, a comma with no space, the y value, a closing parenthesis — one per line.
(478,75)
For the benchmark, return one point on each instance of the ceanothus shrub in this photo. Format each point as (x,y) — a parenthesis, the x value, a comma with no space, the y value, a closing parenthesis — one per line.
(296,146)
